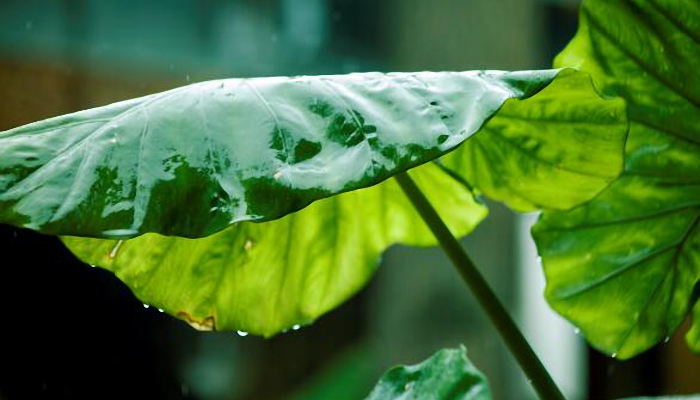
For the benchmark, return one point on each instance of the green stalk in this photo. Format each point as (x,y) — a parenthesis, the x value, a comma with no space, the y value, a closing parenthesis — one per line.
(514,339)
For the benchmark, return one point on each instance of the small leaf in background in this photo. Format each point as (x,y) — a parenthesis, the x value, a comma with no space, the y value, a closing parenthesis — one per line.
(191,161)
(625,267)
(681,397)
(447,375)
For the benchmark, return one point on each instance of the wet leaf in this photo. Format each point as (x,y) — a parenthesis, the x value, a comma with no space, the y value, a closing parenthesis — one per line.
(447,375)
(191,161)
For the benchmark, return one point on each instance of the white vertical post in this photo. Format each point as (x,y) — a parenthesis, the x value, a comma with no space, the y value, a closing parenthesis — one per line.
(554,339)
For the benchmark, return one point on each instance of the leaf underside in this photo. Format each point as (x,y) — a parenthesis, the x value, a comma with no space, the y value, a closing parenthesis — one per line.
(266,278)
(625,267)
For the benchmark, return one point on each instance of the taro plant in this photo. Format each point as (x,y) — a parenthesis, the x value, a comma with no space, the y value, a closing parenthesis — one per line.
(259,204)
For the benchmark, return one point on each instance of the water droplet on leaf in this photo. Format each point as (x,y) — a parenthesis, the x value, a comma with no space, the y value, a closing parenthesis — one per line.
(248,245)
(242,333)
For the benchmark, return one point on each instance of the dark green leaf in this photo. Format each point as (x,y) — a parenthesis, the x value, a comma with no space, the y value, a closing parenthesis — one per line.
(191,161)
(625,268)
(447,375)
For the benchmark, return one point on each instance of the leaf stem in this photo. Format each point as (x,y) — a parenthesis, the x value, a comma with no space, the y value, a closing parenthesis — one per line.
(514,339)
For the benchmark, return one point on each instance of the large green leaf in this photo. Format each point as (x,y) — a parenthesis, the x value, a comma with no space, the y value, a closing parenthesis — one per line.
(625,268)
(447,375)
(555,150)
(193,160)
(265,278)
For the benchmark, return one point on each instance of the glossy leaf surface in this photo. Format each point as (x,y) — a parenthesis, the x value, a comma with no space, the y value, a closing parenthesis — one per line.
(191,161)
(625,268)
(447,375)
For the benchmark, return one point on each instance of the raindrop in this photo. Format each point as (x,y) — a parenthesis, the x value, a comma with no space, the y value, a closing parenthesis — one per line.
(248,245)
(296,327)
(160,310)
(613,355)
(93,265)
(242,333)
(408,386)
(146,305)
(577,331)
(187,77)
(666,340)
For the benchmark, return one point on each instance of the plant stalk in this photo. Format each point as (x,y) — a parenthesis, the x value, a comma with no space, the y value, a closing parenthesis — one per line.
(514,339)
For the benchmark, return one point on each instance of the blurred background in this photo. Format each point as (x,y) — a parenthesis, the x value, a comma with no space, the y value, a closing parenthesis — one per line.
(70,331)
